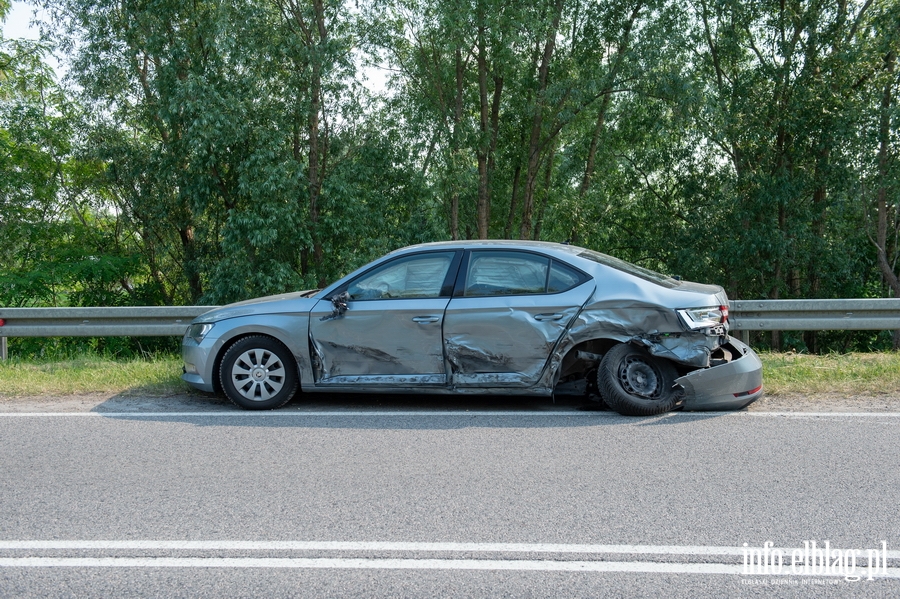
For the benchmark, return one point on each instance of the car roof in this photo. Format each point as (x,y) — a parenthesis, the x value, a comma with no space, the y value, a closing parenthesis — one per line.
(494,244)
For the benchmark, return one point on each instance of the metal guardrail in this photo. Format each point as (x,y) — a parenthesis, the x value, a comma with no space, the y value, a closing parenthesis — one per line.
(815,315)
(746,316)
(155,321)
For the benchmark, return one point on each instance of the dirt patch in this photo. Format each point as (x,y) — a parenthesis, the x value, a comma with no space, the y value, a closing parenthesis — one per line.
(826,402)
(114,402)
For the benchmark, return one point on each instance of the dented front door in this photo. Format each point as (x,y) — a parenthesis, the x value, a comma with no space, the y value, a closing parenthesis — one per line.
(503,329)
(390,333)
(390,342)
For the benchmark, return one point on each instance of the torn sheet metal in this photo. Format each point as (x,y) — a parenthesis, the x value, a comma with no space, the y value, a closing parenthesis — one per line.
(340,302)
(692,349)
(622,321)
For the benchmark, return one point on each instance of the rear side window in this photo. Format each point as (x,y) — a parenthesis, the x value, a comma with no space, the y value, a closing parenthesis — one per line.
(493,273)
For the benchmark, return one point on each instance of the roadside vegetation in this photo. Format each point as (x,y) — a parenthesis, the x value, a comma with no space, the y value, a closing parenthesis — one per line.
(153,375)
(845,374)
(854,374)
(208,152)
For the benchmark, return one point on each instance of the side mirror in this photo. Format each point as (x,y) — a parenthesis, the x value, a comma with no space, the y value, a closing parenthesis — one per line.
(339,302)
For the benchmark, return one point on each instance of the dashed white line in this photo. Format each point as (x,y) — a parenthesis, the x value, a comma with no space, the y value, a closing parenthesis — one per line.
(311,414)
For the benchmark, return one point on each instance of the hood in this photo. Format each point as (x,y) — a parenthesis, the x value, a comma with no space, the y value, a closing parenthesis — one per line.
(285,303)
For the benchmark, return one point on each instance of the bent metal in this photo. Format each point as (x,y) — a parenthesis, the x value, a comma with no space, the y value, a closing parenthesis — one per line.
(474,317)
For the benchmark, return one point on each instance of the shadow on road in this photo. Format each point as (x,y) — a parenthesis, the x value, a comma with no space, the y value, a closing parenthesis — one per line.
(385,411)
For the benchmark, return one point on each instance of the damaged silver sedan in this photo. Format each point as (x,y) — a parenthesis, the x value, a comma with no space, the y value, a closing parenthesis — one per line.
(517,318)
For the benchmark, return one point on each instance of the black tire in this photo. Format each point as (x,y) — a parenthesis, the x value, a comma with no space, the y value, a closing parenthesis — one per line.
(634,383)
(258,373)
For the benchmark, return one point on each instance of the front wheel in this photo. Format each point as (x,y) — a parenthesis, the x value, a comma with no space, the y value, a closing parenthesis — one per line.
(258,373)
(634,383)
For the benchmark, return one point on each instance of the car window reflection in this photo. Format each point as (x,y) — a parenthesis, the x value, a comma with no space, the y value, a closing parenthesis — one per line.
(414,277)
(506,273)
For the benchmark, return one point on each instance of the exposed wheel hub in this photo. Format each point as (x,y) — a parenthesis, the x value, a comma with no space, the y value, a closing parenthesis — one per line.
(639,378)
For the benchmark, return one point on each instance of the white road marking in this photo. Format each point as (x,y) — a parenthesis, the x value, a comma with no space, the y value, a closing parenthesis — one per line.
(285,413)
(374,546)
(554,559)
(559,548)
(407,564)
(453,413)
(825,414)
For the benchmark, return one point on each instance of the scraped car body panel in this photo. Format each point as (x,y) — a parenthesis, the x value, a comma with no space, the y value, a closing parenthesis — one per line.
(511,344)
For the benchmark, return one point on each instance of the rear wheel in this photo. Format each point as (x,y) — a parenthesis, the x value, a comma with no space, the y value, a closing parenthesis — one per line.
(258,373)
(634,383)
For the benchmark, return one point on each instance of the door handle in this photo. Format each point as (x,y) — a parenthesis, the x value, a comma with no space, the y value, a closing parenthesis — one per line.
(554,316)
(422,319)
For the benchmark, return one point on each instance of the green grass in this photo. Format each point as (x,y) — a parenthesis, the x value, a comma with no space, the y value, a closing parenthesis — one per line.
(849,374)
(846,374)
(157,376)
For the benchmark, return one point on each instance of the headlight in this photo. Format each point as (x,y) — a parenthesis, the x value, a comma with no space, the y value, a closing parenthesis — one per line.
(198,331)
(703,318)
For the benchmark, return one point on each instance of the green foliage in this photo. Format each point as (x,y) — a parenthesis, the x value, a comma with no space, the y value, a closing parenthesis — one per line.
(217,150)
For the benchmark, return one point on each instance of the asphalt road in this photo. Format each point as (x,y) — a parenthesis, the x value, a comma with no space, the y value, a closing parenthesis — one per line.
(417,498)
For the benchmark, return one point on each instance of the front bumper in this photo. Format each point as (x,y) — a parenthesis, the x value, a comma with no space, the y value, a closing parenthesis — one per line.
(197,365)
(729,386)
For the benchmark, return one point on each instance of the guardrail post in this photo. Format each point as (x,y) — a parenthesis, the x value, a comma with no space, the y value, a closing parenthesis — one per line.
(2,348)
(745,337)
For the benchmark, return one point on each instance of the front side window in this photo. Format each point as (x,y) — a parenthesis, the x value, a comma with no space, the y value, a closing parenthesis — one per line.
(419,276)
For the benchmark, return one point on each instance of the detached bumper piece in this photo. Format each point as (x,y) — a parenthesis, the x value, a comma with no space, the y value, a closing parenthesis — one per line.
(729,386)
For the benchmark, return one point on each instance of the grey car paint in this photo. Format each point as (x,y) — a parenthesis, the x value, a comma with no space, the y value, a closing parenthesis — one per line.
(507,341)
(504,344)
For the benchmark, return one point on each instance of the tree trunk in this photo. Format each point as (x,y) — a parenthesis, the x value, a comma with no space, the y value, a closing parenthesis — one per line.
(537,121)
(548,177)
(490,117)
(513,203)
(884,139)
(454,146)
(191,269)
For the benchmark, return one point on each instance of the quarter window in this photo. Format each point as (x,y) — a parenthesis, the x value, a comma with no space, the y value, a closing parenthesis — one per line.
(562,277)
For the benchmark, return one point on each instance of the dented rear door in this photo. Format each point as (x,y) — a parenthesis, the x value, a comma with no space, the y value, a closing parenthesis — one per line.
(501,326)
